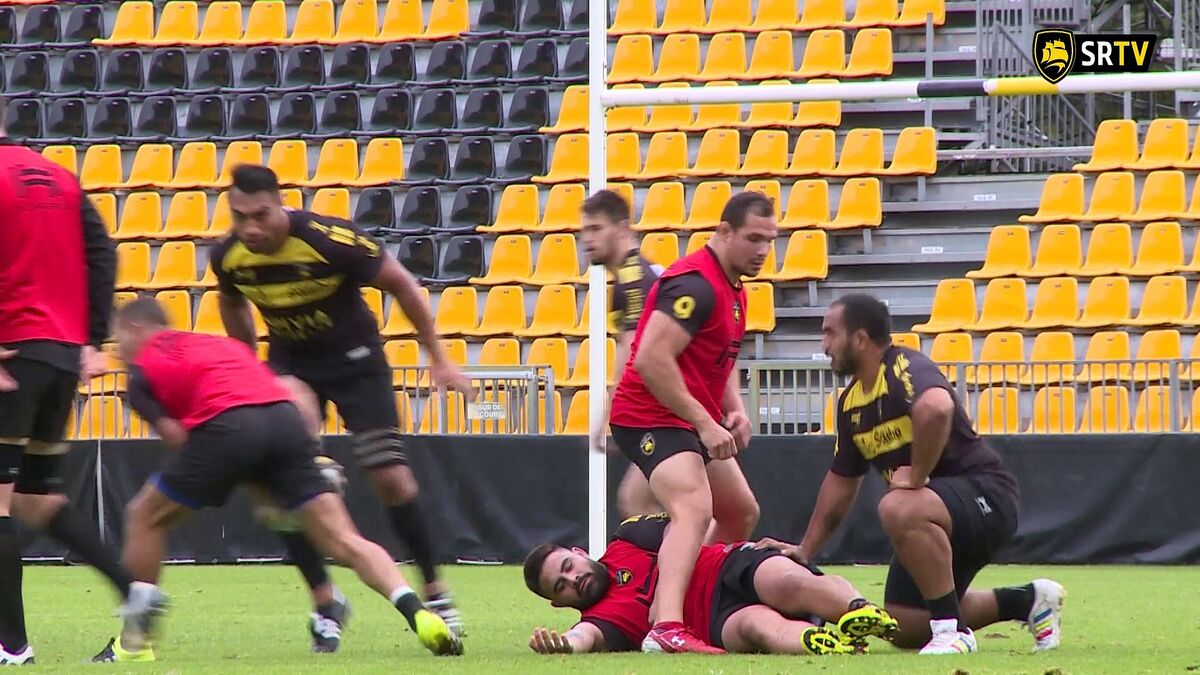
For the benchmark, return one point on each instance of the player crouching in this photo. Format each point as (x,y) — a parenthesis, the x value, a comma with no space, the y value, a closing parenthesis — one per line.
(739,599)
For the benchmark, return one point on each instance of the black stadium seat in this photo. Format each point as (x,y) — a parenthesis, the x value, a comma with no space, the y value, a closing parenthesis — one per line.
(528,110)
(296,115)
(341,114)
(474,161)
(437,112)
(205,117)
(166,72)
(395,64)
(575,63)
(472,207)
(540,18)
(539,61)
(419,255)
(249,118)
(577,19)
(24,119)
(42,27)
(30,74)
(123,72)
(447,63)
(392,113)
(526,157)
(8,25)
(482,112)
(213,71)
(112,118)
(462,258)
(496,18)
(376,208)
(491,61)
(80,72)
(260,70)
(86,23)
(66,120)
(156,120)
(303,68)
(350,66)
(420,212)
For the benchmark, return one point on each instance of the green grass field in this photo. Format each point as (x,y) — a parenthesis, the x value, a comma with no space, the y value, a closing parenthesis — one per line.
(250,619)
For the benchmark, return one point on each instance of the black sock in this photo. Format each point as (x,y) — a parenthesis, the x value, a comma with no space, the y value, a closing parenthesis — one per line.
(306,558)
(409,523)
(409,604)
(70,530)
(12,605)
(336,609)
(945,607)
(1014,603)
(857,603)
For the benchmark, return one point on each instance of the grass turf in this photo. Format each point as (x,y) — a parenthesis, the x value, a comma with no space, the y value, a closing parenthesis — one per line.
(251,619)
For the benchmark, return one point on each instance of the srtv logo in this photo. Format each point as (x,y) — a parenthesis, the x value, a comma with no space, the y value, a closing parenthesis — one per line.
(1058,53)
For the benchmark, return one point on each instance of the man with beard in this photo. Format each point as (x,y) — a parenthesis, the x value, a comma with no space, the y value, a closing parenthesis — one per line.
(951,503)
(739,598)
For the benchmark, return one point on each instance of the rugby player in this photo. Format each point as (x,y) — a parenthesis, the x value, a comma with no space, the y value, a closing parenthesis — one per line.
(951,503)
(608,241)
(57,270)
(739,598)
(303,271)
(678,405)
(232,423)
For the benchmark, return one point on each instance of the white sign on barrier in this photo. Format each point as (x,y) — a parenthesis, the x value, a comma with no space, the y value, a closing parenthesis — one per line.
(486,410)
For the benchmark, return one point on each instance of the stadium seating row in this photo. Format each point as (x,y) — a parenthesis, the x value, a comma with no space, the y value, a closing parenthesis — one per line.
(1163,196)
(1165,147)
(44,26)
(689,16)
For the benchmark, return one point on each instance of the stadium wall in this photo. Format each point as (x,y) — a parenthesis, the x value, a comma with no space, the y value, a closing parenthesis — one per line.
(1084,499)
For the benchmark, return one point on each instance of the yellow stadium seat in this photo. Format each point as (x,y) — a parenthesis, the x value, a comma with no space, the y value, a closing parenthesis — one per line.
(197,167)
(770,267)
(1164,196)
(208,316)
(1001,347)
(708,199)
(828,419)
(760,307)
(1003,305)
(769,114)
(1112,197)
(1153,412)
(457,311)
(557,262)
(511,260)
(289,160)
(1007,253)
(662,117)
(1193,160)
(820,14)
(570,159)
(133,265)
(404,411)
(807,206)
(336,165)
(1110,250)
(824,55)
(106,205)
(915,153)
(949,349)
(208,279)
(581,370)
(373,297)
(134,25)
(562,212)
(152,166)
(773,16)
(998,411)
(918,12)
(178,308)
(222,24)
(1164,302)
(766,155)
(265,24)
(1160,251)
(1053,411)
(551,352)
(681,16)
(909,340)
(871,55)
(449,405)
(456,352)
(1056,303)
(814,154)
(633,60)
(332,423)
(239,152)
(679,58)
(544,419)
(859,205)
(401,21)
(663,208)
(1193,212)
(1107,303)
(1106,410)
(771,189)
(772,56)
(818,113)
(1062,199)
(101,168)
(625,118)
(953,307)
(177,25)
(447,19)
(500,352)
(222,219)
(578,415)
(862,154)
(1060,250)
(667,157)
(101,417)
(868,13)
(718,155)
(64,156)
(332,202)
(503,313)
(1158,347)
(715,115)
(175,268)
(403,356)
(580,329)
(1051,360)
(660,248)
(357,22)
(727,15)
(1115,146)
(141,216)
(725,59)
(398,323)
(1105,347)
(383,163)
(806,257)
(1165,146)
(313,22)
(517,211)
(572,112)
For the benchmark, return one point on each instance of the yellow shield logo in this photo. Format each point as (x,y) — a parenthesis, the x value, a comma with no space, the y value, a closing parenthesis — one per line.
(1054,53)
(647,444)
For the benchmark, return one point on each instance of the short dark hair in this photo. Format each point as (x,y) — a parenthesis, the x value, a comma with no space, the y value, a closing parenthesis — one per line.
(254,178)
(533,566)
(607,203)
(143,310)
(745,204)
(861,311)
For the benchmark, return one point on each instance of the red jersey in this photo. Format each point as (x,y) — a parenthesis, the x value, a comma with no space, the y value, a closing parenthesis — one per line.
(696,293)
(193,378)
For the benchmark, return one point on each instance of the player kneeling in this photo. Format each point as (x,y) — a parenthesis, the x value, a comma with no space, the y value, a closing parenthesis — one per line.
(739,599)
(233,424)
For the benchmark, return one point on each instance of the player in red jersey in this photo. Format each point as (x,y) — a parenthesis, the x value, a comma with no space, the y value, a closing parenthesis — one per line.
(678,404)
(233,424)
(743,599)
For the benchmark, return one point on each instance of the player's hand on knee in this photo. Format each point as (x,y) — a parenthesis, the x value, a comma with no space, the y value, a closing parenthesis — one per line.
(91,363)
(902,479)
(718,440)
(738,424)
(790,550)
(546,641)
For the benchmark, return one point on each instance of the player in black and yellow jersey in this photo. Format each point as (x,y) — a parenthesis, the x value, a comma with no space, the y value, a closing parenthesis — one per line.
(303,271)
(951,503)
(608,240)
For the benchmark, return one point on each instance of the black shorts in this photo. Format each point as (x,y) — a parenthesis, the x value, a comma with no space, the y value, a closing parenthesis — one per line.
(265,445)
(983,517)
(735,589)
(647,448)
(37,411)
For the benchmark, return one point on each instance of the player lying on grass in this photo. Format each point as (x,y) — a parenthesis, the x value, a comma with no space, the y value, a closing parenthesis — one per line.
(232,423)
(739,599)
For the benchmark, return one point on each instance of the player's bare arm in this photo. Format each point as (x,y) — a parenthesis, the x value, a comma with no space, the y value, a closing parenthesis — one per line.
(238,318)
(833,503)
(932,417)
(582,639)
(736,419)
(621,360)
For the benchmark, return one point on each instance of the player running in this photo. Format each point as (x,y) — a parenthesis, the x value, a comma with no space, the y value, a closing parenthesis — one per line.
(608,241)
(678,405)
(739,598)
(232,423)
(303,271)
(951,502)
(57,269)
